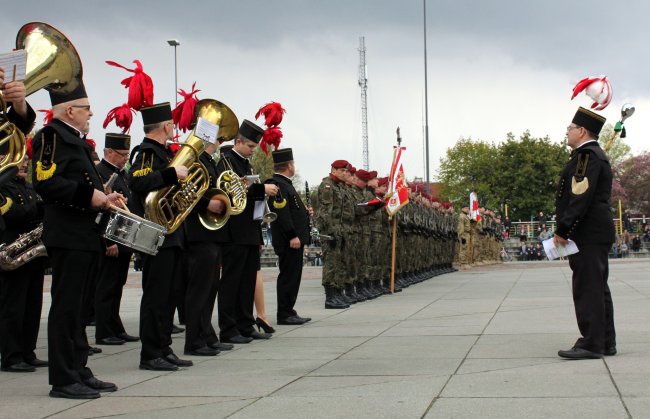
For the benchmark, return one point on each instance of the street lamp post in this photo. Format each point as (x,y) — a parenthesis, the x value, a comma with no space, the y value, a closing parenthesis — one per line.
(174,43)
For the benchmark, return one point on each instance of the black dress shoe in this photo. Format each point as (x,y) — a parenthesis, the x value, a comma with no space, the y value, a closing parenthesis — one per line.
(292,320)
(158,364)
(19,367)
(237,339)
(172,358)
(74,391)
(610,351)
(205,351)
(258,336)
(37,363)
(220,346)
(304,319)
(176,330)
(94,350)
(579,353)
(99,385)
(128,338)
(111,340)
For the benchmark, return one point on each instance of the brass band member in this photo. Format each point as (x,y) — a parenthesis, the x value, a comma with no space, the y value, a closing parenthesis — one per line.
(150,171)
(21,289)
(114,266)
(290,235)
(72,191)
(241,239)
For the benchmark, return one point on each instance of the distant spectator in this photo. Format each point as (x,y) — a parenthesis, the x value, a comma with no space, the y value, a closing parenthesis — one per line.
(318,259)
(616,250)
(636,243)
(541,219)
(539,252)
(646,235)
(627,224)
(624,249)
(522,234)
(545,234)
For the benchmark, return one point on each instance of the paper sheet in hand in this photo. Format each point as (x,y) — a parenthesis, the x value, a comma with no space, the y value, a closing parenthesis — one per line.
(258,211)
(553,252)
(15,59)
(207,131)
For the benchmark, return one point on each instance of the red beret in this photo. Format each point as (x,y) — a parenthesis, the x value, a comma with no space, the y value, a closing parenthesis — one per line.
(340,164)
(383,181)
(365,175)
(352,169)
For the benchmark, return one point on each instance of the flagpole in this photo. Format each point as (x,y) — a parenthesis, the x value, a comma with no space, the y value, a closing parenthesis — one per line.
(392,262)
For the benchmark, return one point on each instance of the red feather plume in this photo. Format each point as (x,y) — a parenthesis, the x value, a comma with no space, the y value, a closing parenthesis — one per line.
(272,112)
(91,143)
(28,147)
(123,116)
(183,113)
(175,147)
(47,118)
(271,136)
(140,85)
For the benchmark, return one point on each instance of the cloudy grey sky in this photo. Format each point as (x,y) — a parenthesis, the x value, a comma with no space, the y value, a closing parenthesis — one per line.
(494,66)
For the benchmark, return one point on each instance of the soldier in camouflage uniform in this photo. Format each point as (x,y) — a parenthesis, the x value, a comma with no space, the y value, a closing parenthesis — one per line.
(328,203)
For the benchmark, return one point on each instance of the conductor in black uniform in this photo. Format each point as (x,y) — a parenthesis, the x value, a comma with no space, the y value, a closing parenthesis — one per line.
(240,240)
(114,265)
(149,172)
(290,235)
(72,190)
(21,289)
(583,215)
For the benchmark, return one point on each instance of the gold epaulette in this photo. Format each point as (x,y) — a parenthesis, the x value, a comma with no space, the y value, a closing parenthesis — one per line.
(142,172)
(6,205)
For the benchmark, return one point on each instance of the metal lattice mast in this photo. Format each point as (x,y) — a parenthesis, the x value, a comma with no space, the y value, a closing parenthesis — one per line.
(363,83)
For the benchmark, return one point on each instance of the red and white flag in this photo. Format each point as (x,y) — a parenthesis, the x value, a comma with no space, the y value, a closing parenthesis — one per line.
(474,213)
(397,195)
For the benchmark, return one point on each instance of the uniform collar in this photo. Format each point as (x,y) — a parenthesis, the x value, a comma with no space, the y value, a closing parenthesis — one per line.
(154,143)
(286,177)
(70,128)
(110,166)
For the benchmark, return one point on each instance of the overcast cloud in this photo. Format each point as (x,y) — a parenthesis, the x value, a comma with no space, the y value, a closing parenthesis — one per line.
(494,66)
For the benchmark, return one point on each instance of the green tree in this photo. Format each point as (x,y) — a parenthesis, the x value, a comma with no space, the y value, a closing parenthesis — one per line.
(468,166)
(631,180)
(262,164)
(528,171)
(618,150)
(522,173)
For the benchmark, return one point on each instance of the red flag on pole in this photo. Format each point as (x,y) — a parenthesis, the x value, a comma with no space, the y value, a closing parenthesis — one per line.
(397,195)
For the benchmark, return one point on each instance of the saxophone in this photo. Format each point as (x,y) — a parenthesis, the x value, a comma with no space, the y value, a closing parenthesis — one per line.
(26,247)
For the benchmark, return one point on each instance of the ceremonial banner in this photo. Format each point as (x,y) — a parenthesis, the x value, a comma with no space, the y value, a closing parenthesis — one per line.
(474,214)
(397,195)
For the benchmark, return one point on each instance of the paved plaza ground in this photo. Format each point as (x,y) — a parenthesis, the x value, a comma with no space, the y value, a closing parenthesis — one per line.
(480,343)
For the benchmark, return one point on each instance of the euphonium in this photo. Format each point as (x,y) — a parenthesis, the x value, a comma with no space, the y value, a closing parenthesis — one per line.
(235,188)
(52,64)
(26,247)
(170,206)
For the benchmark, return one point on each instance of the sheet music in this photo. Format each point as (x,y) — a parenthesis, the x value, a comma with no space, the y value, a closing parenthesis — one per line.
(207,131)
(258,212)
(553,252)
(15,59)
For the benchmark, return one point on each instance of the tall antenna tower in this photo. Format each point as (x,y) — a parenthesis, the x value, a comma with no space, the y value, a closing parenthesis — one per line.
(363,83)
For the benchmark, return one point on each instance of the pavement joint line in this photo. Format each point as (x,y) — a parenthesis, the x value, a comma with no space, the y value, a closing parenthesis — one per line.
(618,391)
(460,364)
(173,408)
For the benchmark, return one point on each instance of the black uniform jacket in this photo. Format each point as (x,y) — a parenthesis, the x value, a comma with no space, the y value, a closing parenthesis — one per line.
(293,218)
(150,172)
(65,177)
(121,186)
(194,229)
(26,211)
(23,124)
(241,229)
(582,200)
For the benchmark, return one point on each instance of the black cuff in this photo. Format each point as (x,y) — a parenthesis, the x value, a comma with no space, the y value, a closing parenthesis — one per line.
(169,176)
(291,234)
(83,195)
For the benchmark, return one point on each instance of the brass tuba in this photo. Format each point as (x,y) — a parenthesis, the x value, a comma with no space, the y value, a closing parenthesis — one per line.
(170,206)
(52,64)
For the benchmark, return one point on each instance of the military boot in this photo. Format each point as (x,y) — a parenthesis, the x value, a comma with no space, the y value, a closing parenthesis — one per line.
(351,293)
(331,301)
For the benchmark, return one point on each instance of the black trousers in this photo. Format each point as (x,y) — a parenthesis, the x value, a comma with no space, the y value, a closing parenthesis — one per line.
(288,283)
(67,342)
(113,273)
(21,301)
(592,299)
(157,305)
(201,267)
(237,289)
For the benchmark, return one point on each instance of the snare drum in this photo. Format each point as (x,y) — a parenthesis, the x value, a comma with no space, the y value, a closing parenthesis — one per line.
(132,231)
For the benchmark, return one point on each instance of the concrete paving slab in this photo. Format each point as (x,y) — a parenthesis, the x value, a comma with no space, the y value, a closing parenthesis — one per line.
(530,408)
(478,343)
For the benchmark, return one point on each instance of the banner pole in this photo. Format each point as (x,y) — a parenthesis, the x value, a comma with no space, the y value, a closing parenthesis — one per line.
(392,262)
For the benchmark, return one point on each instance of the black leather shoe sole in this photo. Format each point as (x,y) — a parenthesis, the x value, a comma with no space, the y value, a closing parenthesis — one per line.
(220,346)
(128,338)
(202,352)
(38,363)
(19,367)
(611,351)
(237,339)
(74,391)
(158,365)
(579,353)
(114,341)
